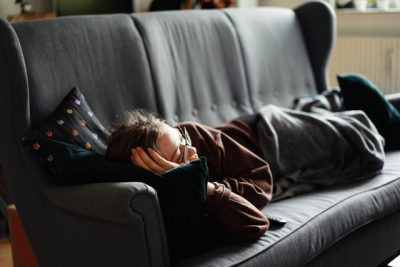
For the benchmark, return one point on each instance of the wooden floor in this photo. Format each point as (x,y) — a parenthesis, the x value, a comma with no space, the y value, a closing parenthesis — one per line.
(5,253)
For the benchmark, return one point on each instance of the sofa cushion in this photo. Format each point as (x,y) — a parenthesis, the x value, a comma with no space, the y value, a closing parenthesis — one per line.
(73,122)
(316,221)
(360,93)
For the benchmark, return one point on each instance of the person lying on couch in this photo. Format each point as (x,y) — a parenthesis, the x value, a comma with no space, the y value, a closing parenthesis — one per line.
(240,181)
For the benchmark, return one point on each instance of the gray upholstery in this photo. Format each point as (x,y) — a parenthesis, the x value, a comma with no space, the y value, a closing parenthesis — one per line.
(318,221)
(196,64)
(102,55)
(267,37)
(207,66)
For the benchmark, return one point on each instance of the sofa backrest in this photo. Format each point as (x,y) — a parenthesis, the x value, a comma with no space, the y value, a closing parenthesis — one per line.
(197,66)
(276,52)
(215,66)
(103,55)
(202,66)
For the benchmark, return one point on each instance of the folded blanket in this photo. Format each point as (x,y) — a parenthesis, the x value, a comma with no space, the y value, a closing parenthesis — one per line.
(309,150)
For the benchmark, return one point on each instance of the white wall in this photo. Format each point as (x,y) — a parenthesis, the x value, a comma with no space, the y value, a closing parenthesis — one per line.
(8,7)
(141,5)
(247,3)
(281,3)
(372,22)
(368,23)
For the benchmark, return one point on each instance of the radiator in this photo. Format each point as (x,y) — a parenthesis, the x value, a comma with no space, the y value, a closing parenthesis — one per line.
(378,58)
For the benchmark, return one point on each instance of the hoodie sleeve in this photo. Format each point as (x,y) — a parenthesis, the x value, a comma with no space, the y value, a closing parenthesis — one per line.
(232,162)
(238,217)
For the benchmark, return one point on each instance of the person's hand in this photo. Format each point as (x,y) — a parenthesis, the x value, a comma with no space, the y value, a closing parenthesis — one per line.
(151,160)
(211,188)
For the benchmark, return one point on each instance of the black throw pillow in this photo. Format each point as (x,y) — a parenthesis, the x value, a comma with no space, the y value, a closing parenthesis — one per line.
(361,94)
(74,122)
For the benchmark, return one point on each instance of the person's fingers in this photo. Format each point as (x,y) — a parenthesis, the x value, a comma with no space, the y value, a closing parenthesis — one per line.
(148,161)
(193,157)
(152,160)
(192,154)
(133,156)
(137,160)
(161,161)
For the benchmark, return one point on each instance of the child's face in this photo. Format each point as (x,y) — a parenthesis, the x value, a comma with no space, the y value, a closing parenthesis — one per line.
(173,146)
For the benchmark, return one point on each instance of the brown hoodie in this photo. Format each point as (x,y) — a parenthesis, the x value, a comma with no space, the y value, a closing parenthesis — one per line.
(243,179)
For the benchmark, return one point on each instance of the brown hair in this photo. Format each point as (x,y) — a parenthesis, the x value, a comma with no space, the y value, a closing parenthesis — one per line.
(136,128)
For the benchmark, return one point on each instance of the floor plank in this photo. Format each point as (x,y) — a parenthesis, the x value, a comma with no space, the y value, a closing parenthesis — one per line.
(5,253)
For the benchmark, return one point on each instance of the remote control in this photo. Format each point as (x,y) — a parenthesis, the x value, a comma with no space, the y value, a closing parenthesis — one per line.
(276,220)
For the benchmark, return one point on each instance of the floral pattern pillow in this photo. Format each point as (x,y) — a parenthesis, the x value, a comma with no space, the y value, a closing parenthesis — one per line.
(72,122)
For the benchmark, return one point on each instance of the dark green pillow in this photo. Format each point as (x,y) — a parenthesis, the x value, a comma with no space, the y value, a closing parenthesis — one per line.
(182,191)
(361,94)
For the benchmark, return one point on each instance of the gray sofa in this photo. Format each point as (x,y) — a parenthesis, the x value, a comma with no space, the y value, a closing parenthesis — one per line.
(207,66)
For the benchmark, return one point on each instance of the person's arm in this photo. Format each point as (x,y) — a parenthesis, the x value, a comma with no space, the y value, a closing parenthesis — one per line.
(257,192)
(252,179)
(237,216)
(245,173)
(242,171)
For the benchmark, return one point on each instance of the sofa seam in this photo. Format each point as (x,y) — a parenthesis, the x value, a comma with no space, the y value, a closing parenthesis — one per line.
(242,58)
(140,30)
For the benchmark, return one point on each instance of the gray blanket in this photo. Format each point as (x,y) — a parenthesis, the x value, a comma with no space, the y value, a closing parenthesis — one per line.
(318,148)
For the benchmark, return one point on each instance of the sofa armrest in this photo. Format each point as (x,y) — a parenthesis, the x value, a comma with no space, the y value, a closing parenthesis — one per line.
(394,99)
(129,203)
(319,37)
